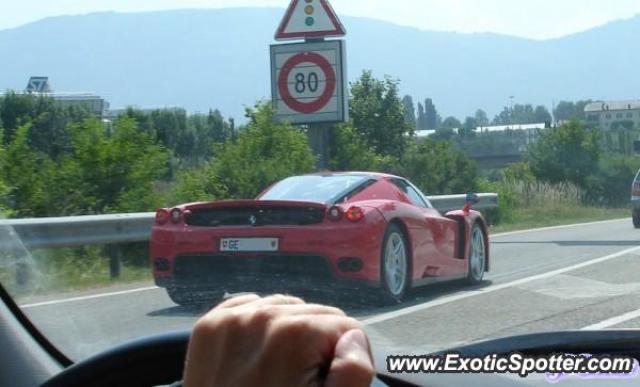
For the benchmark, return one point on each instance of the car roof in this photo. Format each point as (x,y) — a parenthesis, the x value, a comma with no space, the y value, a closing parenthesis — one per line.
(375,175)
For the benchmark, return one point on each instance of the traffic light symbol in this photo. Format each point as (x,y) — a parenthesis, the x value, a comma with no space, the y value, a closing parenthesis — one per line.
(308,9)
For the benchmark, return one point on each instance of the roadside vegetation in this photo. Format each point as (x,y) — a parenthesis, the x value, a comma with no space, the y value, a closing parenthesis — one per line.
(61,161)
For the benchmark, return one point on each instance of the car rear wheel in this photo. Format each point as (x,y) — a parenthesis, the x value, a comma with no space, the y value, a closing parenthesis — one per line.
(477,255)
(394,265)
(194,297)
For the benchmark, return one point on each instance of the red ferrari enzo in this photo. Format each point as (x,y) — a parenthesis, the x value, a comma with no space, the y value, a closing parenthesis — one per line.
(328,229)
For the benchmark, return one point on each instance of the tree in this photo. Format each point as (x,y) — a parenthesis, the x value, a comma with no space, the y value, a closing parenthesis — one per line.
(48,121)
(579,110)
(567,110)
(564,111)
(30,176)
(451,123)
(541,114)
(110,172)
(569,152)
(409,112)
(263,153)
(207,130)
(522,114)
(350,152)
(504,118)
(609,185)
(443,134)
(430,114)
(377,113)
(469,127)
(481,118)
(437,168)
(421,122)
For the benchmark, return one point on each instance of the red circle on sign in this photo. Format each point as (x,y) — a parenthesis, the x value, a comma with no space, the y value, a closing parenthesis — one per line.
(329,75)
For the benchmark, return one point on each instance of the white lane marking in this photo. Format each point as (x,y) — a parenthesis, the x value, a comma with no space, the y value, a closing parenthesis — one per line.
(461,296)
(567,287)
(556,227)
(90,297)
(613,320)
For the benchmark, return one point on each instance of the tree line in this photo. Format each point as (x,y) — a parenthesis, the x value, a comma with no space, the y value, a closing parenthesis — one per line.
(62,161)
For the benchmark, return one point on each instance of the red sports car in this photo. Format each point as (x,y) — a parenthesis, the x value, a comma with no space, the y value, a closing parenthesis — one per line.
(355,229)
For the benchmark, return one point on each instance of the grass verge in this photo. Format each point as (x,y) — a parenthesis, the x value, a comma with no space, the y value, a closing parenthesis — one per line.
(66,270)
(557,215)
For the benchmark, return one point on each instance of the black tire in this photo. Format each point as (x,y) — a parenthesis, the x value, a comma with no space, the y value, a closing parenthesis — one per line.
(477,255)
(394,293)
(194,297)
(635,217)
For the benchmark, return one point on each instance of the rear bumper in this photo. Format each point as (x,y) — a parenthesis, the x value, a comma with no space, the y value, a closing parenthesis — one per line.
(273,273)
(308,257)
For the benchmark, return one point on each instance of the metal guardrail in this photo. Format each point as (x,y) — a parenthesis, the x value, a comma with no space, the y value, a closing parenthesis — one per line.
(19,234)
(446,203)
(72,231)
(136,227)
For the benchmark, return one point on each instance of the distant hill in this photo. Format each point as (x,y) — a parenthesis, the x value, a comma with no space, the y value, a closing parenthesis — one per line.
(199,59)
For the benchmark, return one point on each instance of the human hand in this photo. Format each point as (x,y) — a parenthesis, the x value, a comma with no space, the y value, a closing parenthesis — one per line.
(277,341)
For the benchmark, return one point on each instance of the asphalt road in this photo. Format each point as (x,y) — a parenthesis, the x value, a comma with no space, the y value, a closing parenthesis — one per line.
(573,277)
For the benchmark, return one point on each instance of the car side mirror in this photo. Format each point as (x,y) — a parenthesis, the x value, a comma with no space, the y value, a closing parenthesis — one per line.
(472,198)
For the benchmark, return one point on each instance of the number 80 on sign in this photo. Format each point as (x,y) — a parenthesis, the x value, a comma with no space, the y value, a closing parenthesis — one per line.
(308,82)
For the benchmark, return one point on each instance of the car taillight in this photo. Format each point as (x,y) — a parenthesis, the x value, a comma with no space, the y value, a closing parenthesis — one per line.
(355,214)
(176,215)
(162,216)
(334,213)
(635,190)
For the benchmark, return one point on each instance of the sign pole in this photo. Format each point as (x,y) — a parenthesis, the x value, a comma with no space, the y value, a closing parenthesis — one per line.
(319,143)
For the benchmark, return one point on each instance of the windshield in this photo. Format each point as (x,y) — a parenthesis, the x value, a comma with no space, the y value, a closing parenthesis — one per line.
(134,143)
(323,189)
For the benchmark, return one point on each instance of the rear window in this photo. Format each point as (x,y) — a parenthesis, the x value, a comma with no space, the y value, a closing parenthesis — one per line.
(315,188)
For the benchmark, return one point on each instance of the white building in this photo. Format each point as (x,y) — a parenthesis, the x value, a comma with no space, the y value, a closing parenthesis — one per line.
(613,114)
(40,87)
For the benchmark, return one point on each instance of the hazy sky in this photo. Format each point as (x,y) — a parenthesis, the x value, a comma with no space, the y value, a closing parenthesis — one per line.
(538,19)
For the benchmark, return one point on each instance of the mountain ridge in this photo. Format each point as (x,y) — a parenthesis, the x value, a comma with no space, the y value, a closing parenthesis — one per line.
(201,59)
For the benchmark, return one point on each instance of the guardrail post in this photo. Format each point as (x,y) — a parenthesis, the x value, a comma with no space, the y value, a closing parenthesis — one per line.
(22,272)
(115,263)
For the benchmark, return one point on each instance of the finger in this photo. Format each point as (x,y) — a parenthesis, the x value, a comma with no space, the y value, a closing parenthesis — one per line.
(238,300)
(276,299)
(305,310)
(352,364)
(318,333)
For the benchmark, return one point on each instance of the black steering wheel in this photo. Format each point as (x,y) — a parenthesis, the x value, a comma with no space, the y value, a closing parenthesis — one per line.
(153,361)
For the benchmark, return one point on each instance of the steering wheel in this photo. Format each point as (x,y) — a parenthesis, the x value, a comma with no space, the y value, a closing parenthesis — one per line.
(153,361)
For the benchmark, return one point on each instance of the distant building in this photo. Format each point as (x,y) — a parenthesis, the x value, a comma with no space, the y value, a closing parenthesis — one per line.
(40,86)
(613,114)
(531,130)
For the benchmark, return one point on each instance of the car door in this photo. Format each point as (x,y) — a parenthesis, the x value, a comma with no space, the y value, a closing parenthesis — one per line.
(442,232)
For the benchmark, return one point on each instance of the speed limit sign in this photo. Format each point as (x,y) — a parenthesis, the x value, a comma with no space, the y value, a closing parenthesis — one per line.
(308,82)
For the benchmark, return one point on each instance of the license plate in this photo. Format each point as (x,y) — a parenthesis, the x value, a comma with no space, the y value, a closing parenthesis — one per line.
(248,244)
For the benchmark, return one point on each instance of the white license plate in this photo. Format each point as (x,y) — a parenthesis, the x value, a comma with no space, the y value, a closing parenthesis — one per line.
(248,244)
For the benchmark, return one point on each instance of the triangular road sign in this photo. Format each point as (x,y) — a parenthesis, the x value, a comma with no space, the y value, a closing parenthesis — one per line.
(309,19)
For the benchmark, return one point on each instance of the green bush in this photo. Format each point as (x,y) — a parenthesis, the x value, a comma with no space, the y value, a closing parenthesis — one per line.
(437,168)
(568,153)
(263,153)
(349,151)
(610,184)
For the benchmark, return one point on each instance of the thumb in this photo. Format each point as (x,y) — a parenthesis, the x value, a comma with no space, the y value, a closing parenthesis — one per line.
(352,363)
